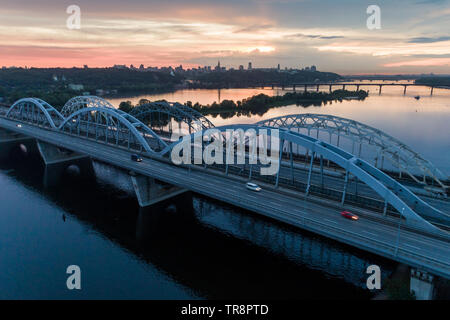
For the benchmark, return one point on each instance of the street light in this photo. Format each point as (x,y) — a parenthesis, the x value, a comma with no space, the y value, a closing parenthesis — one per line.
(398,231)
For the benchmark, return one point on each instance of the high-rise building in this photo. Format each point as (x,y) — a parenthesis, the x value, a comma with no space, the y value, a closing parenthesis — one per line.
(249,66)
(278,67)
(217,68)
(241,67)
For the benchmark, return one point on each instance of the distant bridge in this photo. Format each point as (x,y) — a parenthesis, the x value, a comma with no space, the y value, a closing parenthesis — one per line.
(305,192)
(343,85)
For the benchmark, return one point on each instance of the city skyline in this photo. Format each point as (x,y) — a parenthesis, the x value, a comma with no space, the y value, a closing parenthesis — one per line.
(332,35)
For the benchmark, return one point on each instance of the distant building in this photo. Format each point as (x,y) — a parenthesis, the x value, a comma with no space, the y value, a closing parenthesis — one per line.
(241,67)
(141,67)
(313,68)
(218,68)
(278,67)
(179,69)
(249,66)
(85,66)
(120,66)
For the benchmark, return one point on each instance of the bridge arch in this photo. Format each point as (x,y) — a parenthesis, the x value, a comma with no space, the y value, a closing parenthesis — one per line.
(411,207)
(114,127)
(195,114)
(81,102)
(387,147)
(36,111)
(181,113)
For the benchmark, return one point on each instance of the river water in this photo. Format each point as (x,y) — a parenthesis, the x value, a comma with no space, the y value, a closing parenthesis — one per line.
(192,247)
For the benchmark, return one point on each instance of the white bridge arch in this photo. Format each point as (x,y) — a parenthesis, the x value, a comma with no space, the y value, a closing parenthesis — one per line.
(410,206)
(398,153)
(35,111)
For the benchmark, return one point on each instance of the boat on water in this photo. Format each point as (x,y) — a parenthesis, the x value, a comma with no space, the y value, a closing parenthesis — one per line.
(417,97)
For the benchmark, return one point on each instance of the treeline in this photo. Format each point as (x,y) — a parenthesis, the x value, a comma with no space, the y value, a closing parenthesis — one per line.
(245,78)
(261,103)
(52,84)
(434,81)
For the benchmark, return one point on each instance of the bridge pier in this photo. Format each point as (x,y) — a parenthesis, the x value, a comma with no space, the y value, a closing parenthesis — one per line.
(404,90)
(432,89)
(10,140)
(149,192)
(331,88)
(57,160)
(177,213)
(422,285)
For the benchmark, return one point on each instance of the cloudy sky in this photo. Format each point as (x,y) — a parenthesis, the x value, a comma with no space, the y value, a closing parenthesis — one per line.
(414,35)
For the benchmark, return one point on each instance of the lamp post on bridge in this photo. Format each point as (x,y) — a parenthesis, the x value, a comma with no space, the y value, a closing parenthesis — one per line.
(398,231)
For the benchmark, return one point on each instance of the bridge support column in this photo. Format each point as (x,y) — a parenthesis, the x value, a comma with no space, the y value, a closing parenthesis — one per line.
(331,88)
(422,285)
(57,160)
(10,140)
(432,89)
(149,192)
(404,90)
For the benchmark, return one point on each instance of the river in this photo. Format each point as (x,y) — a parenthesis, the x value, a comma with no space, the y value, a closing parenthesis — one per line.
(198,248)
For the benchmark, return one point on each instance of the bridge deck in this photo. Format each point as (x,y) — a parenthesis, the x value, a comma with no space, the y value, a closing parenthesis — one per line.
(423,251)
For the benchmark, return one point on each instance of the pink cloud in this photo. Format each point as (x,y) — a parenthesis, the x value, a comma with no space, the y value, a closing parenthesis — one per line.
(431,62)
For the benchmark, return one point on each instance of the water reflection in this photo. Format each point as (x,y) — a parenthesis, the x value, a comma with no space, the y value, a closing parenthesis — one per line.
(185,248)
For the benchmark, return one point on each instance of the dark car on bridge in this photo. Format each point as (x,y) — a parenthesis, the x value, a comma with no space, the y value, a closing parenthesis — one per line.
(136,158)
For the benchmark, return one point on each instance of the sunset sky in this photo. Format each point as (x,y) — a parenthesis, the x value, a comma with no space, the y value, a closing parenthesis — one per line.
(414,35)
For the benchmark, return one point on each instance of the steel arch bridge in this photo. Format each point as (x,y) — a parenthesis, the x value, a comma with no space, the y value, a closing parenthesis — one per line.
(400,155)
(35,111)
(81,102)
(115,127)
(181,113)
(410,206)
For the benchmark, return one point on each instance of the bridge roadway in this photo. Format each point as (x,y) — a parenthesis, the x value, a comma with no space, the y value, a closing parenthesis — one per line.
(426,252)
(335,180)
